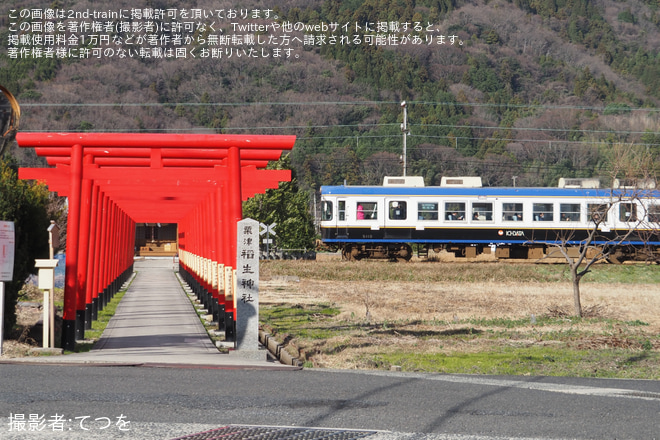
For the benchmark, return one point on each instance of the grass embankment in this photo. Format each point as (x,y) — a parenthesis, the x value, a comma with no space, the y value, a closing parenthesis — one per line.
(489,318)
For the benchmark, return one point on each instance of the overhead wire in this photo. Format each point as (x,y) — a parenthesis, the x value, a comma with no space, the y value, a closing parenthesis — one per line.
(312,103)
(455,137)
(309,103)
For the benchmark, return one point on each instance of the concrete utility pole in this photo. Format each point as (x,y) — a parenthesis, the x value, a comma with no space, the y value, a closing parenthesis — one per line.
(404,129)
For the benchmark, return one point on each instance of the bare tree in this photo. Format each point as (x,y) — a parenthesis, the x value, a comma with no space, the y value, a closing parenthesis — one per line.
(602,244)
(581,257)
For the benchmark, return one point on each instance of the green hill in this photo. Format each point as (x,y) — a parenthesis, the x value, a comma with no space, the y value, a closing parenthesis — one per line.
(532,89)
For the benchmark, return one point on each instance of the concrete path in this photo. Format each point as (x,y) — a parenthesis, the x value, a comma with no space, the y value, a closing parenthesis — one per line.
(156,324)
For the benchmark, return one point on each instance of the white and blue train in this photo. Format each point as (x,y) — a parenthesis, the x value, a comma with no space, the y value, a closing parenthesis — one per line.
(462,217)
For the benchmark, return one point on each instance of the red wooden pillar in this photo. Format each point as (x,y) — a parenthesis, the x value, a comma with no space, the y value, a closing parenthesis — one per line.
(235,207)
(113,249)
(207,251)
(224,218)
(120,251)
(98,262)
(235,214)
(219,245)
(129,244)
(105,260)
(83,248)
(92,261)
(181,235)
(107,291)
(72,243)
(194,242)
(123,257)
(226,247)
(204,252)
(213,241)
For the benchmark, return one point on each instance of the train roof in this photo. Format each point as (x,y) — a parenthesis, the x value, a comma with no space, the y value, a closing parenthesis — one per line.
(342,190)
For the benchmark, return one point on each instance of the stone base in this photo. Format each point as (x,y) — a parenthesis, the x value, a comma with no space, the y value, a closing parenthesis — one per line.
(256,355)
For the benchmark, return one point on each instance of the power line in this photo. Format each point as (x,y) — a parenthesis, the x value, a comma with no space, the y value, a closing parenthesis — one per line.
(311,103)
(202,104)
(357,126)
(456,139)
(414,126)
(560,130)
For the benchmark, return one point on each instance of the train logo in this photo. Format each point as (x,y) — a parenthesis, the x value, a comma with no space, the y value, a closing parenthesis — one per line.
(502,232)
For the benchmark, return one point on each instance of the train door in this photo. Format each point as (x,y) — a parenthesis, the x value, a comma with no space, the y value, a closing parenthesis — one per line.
(333,218)
(341,219)
(398,221)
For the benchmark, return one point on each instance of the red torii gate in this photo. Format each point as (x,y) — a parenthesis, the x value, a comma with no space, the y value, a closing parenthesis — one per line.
(114,181)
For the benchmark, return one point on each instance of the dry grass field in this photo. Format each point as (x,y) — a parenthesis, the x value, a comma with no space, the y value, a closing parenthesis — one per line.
(391,313)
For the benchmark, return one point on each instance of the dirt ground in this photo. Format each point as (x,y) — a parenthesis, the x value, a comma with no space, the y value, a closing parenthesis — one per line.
(28,333)
(393,301)
(409,315)
(19,343)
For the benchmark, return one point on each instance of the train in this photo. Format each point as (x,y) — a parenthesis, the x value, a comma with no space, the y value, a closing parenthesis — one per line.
(467,219)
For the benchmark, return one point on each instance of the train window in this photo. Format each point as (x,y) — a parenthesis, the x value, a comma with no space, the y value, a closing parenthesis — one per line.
(597,212)
(341,210)
(654,213)
(427,211)
(398,210)
(367,211)
(454,211)
(482,211)
(512,212)
(569,212)
(543,212)
(628,212)
(326,210)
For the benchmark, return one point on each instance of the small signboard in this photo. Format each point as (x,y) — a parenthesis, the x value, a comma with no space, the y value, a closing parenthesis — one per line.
(6,251)
(6,267)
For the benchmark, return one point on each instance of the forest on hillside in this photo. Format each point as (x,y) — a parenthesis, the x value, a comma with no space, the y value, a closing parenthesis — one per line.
(531,89)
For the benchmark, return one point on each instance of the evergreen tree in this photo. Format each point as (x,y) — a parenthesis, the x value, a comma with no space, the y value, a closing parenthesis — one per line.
(287,206)
(25,204)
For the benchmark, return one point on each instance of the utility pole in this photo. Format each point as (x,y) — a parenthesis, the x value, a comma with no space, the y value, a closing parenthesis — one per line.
(404,129)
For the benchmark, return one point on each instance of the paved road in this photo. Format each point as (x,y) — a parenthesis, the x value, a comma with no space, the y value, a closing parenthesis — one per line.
(157,391)
(166,403)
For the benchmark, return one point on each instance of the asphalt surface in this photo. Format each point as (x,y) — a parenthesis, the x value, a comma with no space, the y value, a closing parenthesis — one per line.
(191,391)
(169,403)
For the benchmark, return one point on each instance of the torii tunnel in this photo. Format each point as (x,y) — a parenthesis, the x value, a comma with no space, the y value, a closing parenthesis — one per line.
(114,181)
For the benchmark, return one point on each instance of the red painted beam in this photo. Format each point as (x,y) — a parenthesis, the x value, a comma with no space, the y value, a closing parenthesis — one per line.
(158,183)
(144,162)
(169,153)
(155,140)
